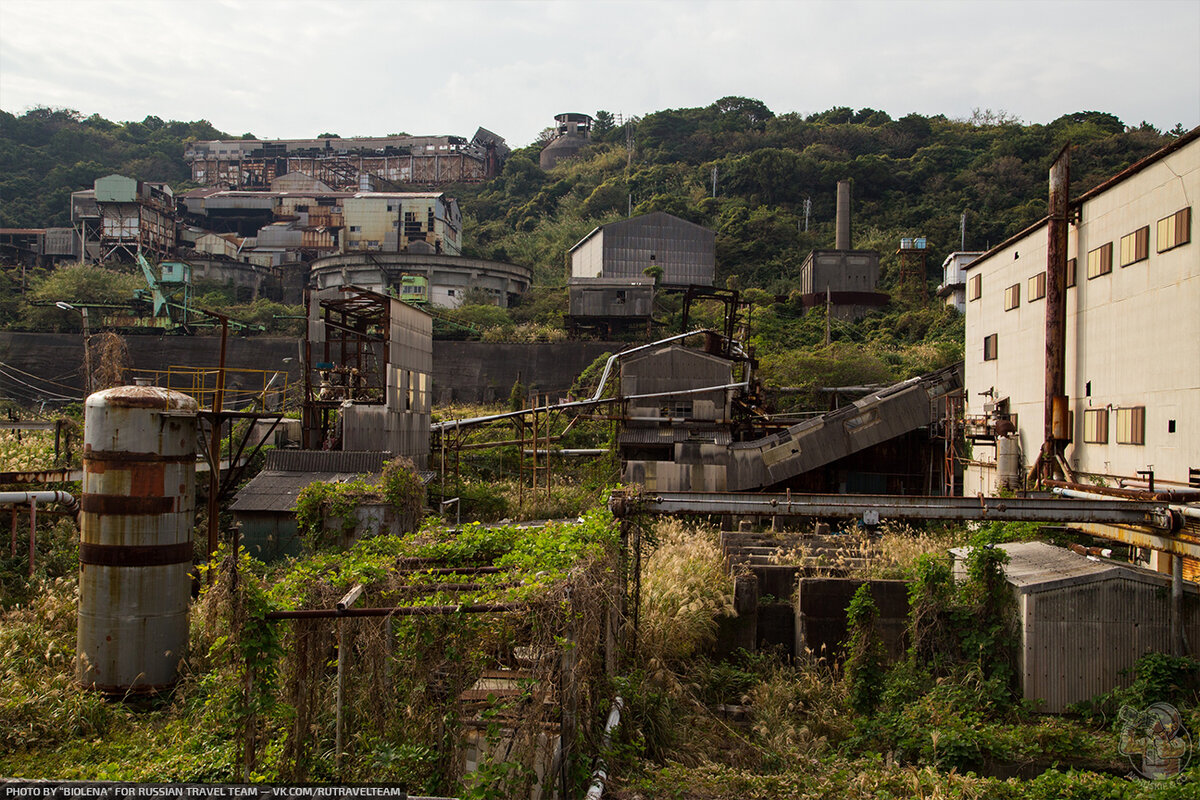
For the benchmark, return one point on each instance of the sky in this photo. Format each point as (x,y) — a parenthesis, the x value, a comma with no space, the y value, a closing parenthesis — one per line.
(376,67)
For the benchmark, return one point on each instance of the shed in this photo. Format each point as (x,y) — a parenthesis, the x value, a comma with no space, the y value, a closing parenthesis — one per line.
(266,506)
(1084,622)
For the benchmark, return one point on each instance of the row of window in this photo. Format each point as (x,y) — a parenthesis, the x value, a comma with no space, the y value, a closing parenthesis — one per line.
(1172,231)
(1131,425)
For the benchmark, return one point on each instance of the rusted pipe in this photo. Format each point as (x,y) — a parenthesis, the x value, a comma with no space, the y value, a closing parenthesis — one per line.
(1056,312)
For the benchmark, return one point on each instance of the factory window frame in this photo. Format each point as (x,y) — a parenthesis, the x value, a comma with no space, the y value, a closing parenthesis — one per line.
(1095,425)
(1175,229)
(1099,261)
(976,290)
(1072,270)
(1037,287)
(989,347)
(1012,297)
(1131,425)
(355,228)
(1135,246)
(682,409)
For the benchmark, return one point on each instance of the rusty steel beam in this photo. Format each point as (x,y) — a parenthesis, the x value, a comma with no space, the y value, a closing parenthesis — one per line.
(873,508)
(1055,433)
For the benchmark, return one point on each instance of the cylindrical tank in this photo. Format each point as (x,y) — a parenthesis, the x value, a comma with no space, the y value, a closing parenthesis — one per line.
(135,542)
(1008,461)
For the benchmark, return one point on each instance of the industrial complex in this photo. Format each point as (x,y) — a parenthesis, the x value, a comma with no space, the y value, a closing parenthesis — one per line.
(1076,405)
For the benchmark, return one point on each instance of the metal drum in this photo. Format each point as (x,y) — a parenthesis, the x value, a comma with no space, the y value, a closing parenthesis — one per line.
(135,543)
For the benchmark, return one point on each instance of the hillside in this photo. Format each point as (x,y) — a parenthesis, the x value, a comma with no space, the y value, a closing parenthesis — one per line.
(914,176)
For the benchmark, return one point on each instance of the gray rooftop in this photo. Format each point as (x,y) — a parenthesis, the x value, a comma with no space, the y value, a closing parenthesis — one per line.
(1039,566)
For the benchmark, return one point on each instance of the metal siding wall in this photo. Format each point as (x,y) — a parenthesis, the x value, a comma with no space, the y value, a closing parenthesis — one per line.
(1078,639)
(685,253)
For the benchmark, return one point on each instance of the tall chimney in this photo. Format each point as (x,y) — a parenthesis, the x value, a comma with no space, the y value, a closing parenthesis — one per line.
(842,242)
(1057,226)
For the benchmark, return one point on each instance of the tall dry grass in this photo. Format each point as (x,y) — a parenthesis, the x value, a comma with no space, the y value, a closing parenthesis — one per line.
(684,590)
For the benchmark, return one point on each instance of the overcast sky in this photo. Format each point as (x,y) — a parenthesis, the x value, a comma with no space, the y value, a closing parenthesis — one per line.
(374,67)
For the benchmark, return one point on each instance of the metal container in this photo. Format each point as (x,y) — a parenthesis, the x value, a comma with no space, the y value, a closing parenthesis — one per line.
(135,548)
(1008,461)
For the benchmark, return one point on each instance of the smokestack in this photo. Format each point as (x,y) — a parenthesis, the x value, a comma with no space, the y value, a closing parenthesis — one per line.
(842,242)
(1057,226)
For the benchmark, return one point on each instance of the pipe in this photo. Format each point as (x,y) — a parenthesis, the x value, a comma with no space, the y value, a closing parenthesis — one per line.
(613,358)
(42,497)
(596,789)
(1187,511)
(399,611)
(1177,604)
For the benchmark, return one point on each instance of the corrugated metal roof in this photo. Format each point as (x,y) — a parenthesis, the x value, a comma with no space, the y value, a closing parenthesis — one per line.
(273,490)
(353,461)
(1039,567)
(667,436)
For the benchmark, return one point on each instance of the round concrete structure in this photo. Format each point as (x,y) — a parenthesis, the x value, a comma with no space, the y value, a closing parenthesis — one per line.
(449,276)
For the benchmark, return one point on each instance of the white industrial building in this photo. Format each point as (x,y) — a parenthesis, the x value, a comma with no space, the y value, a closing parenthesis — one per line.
(1132,347)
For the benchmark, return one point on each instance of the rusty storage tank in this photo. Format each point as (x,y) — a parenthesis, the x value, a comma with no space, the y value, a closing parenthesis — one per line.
(135,543)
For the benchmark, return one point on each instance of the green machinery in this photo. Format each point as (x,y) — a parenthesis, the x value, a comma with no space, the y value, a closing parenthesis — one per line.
(164,305)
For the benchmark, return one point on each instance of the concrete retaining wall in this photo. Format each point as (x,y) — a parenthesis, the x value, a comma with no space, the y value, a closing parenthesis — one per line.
(462,371)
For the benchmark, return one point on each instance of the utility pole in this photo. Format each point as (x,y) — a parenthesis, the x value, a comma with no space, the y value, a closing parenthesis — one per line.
(714,181)
(87,350)
(807,209)
(962,229)
(828,308)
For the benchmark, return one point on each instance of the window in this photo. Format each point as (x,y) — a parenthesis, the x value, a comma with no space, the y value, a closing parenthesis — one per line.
(976,290)
(1037,287)
(1072,268)
(1131,425)
(1175,229)
(1135,246)
(1012,297)
(355,229)
(989,348)
(1095,425)
(1099,261)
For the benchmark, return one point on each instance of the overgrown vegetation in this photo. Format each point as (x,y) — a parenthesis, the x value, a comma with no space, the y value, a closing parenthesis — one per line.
(256,699)
(944,721)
